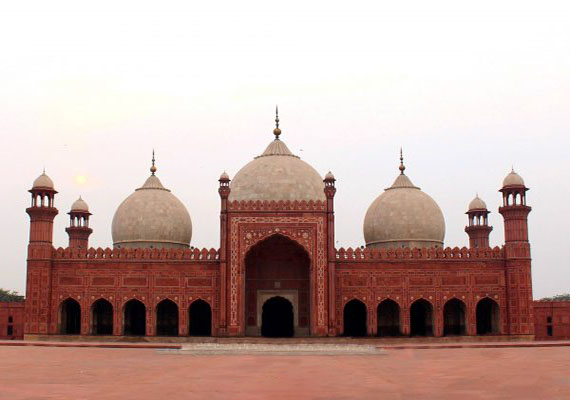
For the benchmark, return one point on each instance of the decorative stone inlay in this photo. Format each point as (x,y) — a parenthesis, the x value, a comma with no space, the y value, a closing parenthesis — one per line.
(309,232)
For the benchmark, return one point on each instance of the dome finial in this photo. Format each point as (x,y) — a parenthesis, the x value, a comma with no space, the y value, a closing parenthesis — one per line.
(153,168)
(402,167)
(277,131)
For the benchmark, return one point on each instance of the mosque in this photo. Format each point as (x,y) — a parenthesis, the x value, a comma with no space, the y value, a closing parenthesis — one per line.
(276,271)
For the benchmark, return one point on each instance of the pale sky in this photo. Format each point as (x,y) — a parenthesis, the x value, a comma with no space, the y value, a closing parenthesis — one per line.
(88,89)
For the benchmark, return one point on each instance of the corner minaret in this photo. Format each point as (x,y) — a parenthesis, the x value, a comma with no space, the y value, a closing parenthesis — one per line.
(40,248)
(519,313)
(224,191)
(79,229)
(478,228)
(42,211)
(515,213)
(330,191)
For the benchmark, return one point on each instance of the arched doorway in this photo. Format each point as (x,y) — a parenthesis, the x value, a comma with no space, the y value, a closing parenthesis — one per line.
(167,318)
(421,318)
(101,318)
(134,318)
(70,317)
(487,314)
(277,267)
(200,319)
(454,317)
(277,318)
(355,318)
(388,318)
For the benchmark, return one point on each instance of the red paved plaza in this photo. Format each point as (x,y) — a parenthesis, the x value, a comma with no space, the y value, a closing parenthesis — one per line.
(100,373)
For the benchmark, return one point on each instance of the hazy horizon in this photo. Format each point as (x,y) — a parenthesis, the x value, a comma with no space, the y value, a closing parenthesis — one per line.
(467,90)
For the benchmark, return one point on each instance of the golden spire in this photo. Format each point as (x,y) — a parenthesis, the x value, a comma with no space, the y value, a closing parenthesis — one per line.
(402,167)
(153,168)
(276,131)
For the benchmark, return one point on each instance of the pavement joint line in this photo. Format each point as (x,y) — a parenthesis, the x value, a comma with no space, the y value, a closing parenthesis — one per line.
(293,347)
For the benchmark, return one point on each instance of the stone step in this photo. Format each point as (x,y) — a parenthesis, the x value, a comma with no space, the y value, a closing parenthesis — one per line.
(273,349)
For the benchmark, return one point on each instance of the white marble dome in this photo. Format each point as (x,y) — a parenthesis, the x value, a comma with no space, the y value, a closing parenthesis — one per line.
(80,205)
(404,216)
(513,179)
(477,204)
(43,181)
(152,217)
(277,174)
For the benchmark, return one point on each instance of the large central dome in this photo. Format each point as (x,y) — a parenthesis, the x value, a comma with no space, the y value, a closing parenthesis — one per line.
(277,174)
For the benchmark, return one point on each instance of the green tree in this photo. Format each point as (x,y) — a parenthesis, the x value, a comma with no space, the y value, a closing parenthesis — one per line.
(558,297)
(6,295)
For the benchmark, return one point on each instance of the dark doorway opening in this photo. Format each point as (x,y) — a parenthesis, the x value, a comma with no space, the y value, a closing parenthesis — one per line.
(277,318)
(388,318)
(167,318)
(454,318)
(273,264)
(355,318)
(135,318)
(102,318)
(200,319)
(421,318)
(70,317)
(487,314)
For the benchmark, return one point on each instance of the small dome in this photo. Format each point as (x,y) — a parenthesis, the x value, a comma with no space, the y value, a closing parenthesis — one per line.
(329,176)
(224,176)
(152,217)
(277,174)
(80,205)
(513,179)
(404,216)
(477,204)
(43,181)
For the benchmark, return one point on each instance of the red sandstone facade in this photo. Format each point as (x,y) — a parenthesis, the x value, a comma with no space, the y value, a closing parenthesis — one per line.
(552,320)
(11,320)
(329,291)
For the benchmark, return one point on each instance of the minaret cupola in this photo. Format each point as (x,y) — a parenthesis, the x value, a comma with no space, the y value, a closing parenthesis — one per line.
(79,229)
(478,227)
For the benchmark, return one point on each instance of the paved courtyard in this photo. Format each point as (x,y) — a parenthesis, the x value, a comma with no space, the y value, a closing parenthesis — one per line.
(124,373)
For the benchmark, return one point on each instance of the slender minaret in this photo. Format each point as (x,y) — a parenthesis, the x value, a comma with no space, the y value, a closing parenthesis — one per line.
(519,312)
(478,227)
(515,213)
(330,191)
(79,229)
(42,211)
(224,191)
(39,265)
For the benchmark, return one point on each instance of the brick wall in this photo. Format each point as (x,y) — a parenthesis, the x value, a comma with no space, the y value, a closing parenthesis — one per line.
(12,320)
(552,320)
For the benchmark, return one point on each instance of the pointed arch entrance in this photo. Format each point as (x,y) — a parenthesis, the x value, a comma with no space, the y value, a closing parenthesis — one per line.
(355,318)
(487,314)
(134,318)
(388,318)
(200,318)
(454,318)
(101,318)
(421,318)
(277,267)
(167,318)
(70,317)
